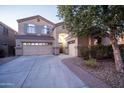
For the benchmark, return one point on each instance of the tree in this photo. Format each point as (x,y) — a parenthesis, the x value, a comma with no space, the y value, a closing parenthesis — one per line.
(79,19)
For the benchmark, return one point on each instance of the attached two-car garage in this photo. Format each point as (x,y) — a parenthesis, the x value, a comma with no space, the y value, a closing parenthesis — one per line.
(34,45)
(43,48)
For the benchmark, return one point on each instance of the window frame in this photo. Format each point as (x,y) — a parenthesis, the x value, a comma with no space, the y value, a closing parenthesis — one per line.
(45,29)
(5,31)
(31,29)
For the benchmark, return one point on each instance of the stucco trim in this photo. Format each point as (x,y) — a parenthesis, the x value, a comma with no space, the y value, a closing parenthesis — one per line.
(35,37)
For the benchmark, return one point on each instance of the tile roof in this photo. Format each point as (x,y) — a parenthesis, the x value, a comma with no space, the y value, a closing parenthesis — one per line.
(35,37)
(33,17)
(58,24)
(1,23)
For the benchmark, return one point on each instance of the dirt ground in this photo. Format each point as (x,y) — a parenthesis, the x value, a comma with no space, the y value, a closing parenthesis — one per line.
(105,71)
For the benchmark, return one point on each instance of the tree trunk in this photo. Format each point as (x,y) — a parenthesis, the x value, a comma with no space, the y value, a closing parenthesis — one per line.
(116,51)
(89,46)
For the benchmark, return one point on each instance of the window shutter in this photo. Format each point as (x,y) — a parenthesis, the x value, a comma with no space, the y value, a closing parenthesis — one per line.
(25,28)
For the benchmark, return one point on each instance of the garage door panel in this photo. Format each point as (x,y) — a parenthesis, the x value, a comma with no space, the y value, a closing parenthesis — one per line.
(72,49)
(37,50)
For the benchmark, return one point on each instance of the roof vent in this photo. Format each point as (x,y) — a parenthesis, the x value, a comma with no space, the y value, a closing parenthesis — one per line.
(38,19)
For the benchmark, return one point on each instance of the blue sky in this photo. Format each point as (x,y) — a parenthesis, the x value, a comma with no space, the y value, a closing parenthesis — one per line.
(10,13)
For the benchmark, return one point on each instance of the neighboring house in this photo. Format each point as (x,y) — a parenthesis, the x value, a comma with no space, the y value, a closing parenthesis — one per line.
(7,40)
(75,44)
(37,36)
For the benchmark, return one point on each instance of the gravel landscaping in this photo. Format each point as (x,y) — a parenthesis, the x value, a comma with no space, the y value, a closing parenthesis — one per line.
(105,71)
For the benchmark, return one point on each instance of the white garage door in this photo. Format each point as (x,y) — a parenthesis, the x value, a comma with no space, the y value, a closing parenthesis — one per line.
(37,48)
(72,49)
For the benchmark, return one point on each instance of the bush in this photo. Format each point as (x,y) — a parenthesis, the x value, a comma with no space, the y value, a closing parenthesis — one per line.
(91,63)
(85,52)
(101,52)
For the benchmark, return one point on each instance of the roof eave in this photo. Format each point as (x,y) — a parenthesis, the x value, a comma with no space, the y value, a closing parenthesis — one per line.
(33,17)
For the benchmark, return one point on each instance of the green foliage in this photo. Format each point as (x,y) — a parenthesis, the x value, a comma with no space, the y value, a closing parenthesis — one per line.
(80,18)
(85,52)
(100,52)
(91,63)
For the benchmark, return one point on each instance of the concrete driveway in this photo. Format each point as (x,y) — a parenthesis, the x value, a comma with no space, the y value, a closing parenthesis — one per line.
(38,72)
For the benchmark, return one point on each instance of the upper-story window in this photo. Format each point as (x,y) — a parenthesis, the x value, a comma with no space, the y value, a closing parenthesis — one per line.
(1,28)
(31,28)
(45,30)
(5,31)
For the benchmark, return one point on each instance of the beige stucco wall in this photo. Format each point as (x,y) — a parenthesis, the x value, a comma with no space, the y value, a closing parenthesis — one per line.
(33,21)
(58,30)
(121,40)
(19,52)
(106,41)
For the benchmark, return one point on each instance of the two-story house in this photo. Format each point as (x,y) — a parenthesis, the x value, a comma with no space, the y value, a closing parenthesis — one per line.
(7,40)
(39,36)
(34,36)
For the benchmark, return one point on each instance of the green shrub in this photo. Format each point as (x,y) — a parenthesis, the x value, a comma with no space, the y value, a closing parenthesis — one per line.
(97,52)
(101,52)
(91,63)
(85,52)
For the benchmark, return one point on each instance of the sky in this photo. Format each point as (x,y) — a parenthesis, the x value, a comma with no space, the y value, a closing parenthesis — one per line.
(10,13)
